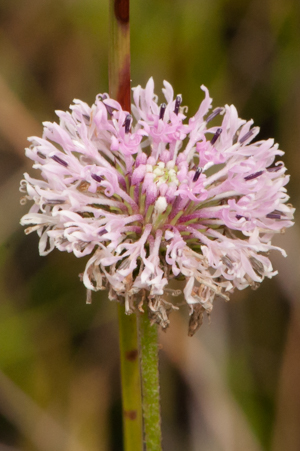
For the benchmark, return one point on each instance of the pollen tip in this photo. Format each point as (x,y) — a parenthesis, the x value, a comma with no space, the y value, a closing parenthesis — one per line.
(127,123)
(163,107)
(197,174)
(178,102)
(216,136)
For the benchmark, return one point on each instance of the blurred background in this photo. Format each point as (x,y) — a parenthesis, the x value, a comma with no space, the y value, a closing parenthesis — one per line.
(233,386)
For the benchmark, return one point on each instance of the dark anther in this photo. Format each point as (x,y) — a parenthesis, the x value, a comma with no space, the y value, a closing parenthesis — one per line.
(163,107)
(86,117)
(102,232)
(55,201)
(216,136)
(257,266)
(177,103)
(214,114)
(238,217)
(253,176)
(197,174)
(275,168)
(96,177)
(109,108)
(273,215)
(247,135)
(127,123)
(60,161)
(227,261)
(41,155)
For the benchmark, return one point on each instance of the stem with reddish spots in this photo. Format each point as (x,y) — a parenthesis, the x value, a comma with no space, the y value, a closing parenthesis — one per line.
(148,351)
(130,382)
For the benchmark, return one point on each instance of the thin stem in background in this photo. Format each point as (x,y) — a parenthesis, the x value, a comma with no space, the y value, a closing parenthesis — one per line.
(130,381)
(148,337)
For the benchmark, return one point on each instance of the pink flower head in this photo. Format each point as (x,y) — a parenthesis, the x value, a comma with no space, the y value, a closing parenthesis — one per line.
(155,196)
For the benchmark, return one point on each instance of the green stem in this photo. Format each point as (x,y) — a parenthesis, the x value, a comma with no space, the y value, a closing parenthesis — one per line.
(130,381)
(148,339)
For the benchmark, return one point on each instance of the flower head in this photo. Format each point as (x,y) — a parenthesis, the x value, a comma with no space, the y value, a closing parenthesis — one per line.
(156,196)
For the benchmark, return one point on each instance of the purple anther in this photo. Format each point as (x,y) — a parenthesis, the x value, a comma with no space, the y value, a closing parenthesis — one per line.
(55,201)
(102,232)
(247,135)
(109,108)
(257,266)
(216,136)
(127,123)
(253,176)
(96,177)
(60,161)
(227,262)
(86,117)
(177,103)
(41,155)
(273,215)
(238,217)
(197,174)
(214,114)
(275,168)
(163,107)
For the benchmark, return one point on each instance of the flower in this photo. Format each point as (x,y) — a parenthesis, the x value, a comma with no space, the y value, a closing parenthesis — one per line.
(158,197)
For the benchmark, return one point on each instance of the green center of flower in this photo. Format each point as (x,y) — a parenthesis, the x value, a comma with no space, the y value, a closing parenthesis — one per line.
(164,173)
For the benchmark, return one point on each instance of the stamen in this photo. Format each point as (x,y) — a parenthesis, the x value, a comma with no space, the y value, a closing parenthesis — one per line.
(96,177)
(41,155)
(257,266)
(273,215)
(163,107)
(177,103)
(247,135)
(197,174)
(275,168)
(253,176)
(102,232)
(87,118)
(227,262)
(216,136)
(59,160)
(109,108)
(55,201)
(238,217)
(127,123)
(214,114)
